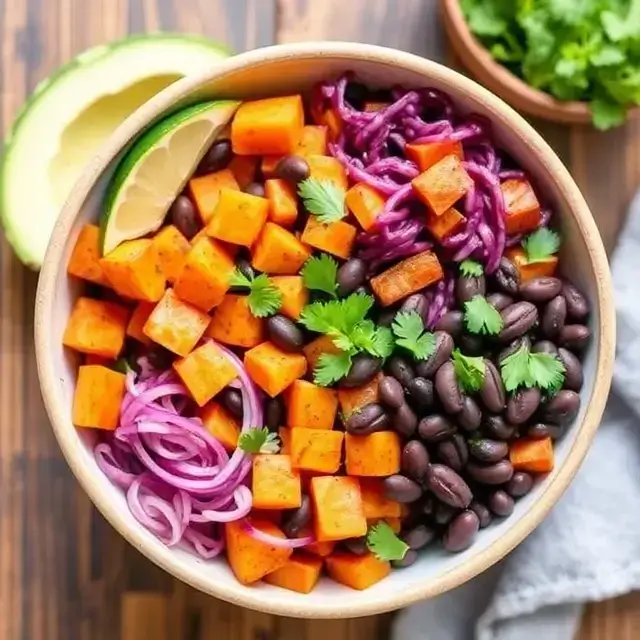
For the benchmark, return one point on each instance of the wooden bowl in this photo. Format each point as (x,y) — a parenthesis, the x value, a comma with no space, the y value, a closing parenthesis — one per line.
(297,67)
(500,80)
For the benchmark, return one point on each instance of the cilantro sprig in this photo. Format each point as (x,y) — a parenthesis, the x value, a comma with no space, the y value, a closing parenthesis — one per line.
(541,244)
(526,369)
(259,441)
(481,317)
(385,544)
(320,273)
(264,297)
(469,371)
(332,367)
(471,268)
(408,328)
(323,199)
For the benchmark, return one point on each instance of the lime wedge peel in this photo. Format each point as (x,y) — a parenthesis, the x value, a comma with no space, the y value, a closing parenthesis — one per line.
(156,168)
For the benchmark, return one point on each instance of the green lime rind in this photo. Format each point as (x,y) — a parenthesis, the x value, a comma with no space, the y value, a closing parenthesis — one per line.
(86,57)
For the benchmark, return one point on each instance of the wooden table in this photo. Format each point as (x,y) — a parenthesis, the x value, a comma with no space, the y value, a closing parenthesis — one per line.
(64,573)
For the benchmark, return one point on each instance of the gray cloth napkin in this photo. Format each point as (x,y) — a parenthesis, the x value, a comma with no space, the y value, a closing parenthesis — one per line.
(588,548)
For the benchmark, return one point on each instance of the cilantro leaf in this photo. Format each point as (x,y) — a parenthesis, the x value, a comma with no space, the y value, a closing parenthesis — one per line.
(526,369)
(482,317)
(385,544)
(515,370)
(331,367)
(383,342)
(607,114)
(471,268)
(408,327)
(320,273)
(323,199)
(264,297)
(469,371)
(259,441)
(541,244)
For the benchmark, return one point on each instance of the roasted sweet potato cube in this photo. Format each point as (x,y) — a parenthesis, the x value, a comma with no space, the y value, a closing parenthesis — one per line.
(283,204)
(221,425)
(375,503)
(277,251)
(98,395)
(338,509)
(205,191)
(233,323)
(447,224)
(377,454)
(272,369)
(172,249)
(138,319)
(295,295)
(336,238)
(301,573)
(522,208)
(275,483)
(442,184)
(356,397)
(309,405)
(316,450)
(238,217)
(426,154)
(357,572)
(85,258)
(328,168)
(365,203)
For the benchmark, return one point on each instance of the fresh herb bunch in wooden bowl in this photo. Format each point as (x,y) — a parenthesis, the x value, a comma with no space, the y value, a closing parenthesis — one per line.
(575,61)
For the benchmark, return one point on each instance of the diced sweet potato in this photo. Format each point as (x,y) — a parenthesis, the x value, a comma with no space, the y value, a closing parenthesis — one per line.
(277,251)
(374,502)
(205,276)
(285,438)
(376,455)
(250,559)
(301,573)
(98,395)
(85,258)
(221,425)
(313,141)
(268,165)
(238,217)
(328,168)
(357,572)
(522,208)
(357,397)
(337,504)
(275,483)
(233,323)
(138,319)
(531,270)
(406,277)
(97,327)
(176,325)
(445,225)
(295,295)
(534,456)
(205,372)
(320,549)
(316,449)
(336,238)
(313,350)
(283,205)
(172,249)
(365,203)
(133,269)
(443,184)
(332,121)
(272,369)
(205,191)
(270,126)
(244,169)
(311,406)
(425,155)
(201,234)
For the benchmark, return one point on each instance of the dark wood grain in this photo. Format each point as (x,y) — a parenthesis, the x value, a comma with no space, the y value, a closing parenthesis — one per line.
(64,573)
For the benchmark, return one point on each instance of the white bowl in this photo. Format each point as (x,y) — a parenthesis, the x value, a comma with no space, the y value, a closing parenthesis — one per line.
(295,68)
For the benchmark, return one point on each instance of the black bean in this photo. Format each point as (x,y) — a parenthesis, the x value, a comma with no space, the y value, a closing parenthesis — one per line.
(418,537)
(357,546)
(516,345)
(507,277)
(454,452)
(522,405)
(363,290)
(363,369)
(405,421)
(356,94)
(255,189)
(487,450)
(184,216)
(499,300)
(545,346)
(427,505)
(540,289)
(520,484)
(471,345)
(232,401)
(274,413)
(497,473)
(496,427)
(518,319)
(554,316)
(573,375)
(468,287)
(577,305)
(415,303)
(435,428)
(492,390)
(461,532)
(297,519)
(409,558)
(447,388)
(501,503)
(386,317)
(470,417)
(442,352)
(562,408)
(414,461)
(284,333)
(448,486)
(444,514)
(245,268)
(391,392)
(539,430)
(350,276)
(401,489)
(400,368)
(574,336)
(452,323)
(159,357)
(420,392)
(217,157)
(483,513)
(292,168)
(367,420)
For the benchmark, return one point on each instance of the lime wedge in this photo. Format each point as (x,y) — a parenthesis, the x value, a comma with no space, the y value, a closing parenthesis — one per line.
(156,168)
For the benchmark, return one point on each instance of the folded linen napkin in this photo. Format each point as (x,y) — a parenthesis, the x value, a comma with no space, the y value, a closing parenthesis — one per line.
(588,548)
